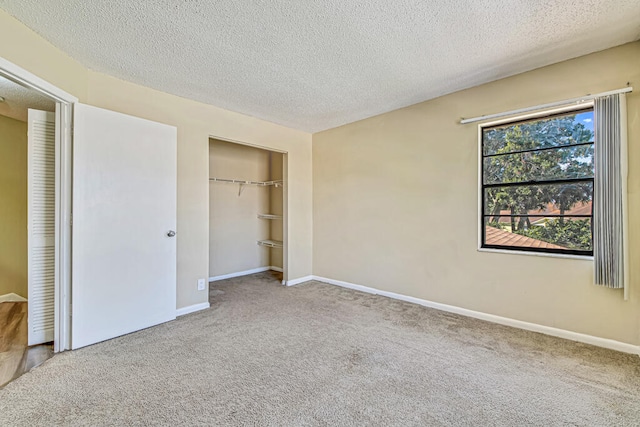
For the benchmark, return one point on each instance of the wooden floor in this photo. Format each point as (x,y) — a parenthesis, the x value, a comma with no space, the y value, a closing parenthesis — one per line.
(16,357)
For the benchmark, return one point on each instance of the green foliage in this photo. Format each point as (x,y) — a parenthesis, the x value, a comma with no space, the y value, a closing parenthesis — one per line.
(572,234)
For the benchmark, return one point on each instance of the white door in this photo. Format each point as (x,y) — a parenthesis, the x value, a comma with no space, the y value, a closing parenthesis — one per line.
(124,217)
(41,225)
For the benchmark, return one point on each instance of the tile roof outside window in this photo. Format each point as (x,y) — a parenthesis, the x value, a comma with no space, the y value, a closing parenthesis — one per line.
(495,236)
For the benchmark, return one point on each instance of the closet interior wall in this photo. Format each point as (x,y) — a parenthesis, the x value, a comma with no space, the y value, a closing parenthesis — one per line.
(235,227)
(276,207)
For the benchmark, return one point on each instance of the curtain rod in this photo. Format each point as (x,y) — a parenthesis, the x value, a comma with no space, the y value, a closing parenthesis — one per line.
(543,106)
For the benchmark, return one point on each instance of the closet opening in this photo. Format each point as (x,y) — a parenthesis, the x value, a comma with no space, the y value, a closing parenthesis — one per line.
(247,211)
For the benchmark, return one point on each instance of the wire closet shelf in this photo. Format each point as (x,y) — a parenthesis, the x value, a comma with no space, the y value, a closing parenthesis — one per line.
(271,243)
(277,183)
(242,183)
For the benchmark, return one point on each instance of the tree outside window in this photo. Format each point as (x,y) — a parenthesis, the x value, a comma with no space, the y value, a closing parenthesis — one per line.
(537,184)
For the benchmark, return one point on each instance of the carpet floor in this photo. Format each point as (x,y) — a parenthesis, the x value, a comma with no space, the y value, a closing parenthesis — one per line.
(315,354)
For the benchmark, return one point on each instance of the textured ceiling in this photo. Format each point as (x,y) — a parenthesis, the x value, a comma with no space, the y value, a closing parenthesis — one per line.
(313,65)
(17,99)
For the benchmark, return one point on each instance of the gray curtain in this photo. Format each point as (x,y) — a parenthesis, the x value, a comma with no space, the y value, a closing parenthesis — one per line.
(610,192)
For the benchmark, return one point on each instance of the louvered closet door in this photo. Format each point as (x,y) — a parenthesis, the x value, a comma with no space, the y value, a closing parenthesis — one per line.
(41,225)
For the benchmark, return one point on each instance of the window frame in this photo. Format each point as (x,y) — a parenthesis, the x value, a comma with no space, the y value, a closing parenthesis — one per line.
(515,250)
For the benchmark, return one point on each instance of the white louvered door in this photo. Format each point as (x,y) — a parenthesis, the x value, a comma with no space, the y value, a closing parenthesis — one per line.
(41,225)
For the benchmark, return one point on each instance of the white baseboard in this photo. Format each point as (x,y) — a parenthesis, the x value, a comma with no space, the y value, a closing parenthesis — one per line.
(547,330)
(244,273)
(274,268)
(192,309)
(12,298)
(299,280)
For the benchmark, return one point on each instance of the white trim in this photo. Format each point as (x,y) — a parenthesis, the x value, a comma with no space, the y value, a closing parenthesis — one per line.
(547,330)
(248,144)
(64,105)
(25,78)
(299,280)
(11,297)
(542,254)
(285,218)
(243,273)
(192,309)
(64,187)
(578,100)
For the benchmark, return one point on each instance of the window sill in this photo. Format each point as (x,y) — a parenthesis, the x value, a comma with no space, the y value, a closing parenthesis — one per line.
(539,254)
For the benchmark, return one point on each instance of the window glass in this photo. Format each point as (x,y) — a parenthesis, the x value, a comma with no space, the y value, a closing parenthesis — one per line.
(537,184)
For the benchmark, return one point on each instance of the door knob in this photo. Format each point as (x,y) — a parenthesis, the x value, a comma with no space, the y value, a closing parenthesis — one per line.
(171,233)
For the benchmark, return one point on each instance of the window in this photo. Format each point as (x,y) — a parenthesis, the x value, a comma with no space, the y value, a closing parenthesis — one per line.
(537,184)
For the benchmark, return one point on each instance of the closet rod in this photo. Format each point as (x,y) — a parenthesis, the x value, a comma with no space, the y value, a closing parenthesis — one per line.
(271,243)
(242,183)
(276,183)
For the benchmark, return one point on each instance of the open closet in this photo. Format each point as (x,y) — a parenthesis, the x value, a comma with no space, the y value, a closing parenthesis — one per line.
(247,210)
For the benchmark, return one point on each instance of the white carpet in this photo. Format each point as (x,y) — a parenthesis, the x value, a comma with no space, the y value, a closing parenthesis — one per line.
(315,354)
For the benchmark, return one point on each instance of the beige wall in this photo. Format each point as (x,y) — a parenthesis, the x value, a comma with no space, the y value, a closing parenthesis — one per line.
(196,123)
(396,205)
(234,226)
(13,206)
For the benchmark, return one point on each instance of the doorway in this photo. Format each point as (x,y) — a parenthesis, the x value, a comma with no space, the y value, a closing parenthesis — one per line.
(247,211)
(123,226)
(27,224)
(55,193)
